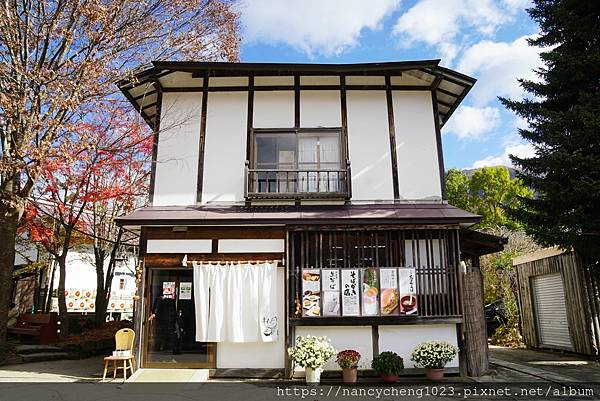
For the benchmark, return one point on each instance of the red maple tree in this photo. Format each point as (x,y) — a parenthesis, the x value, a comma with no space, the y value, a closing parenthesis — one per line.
(98,171)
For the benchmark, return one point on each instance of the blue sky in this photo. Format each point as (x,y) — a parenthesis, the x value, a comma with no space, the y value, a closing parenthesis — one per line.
(485,39)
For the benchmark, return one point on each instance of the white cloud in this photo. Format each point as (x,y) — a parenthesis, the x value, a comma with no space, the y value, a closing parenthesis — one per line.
(473,122)
(497,66)
(445,24)
(522,150)
(312,26)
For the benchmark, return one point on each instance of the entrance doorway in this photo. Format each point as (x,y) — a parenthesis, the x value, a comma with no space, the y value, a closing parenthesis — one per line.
(170,316)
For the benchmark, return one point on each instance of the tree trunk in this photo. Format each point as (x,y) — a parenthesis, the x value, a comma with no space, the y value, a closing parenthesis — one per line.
(476,354)
(9,220)
(101,296)
(62,302)
(50,287)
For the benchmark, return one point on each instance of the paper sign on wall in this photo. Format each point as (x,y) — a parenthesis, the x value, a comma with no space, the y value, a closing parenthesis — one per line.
(390,297)
(408,290)
(350,292)
(331,292)
(168,289)
(185,290)
(311,293)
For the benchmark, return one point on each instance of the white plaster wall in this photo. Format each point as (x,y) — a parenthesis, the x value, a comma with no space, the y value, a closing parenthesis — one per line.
(259,354)
(403,339)
(418,168)
(369,146)
(225,151)
(251,245)
(228,81)
(365,80)
(320,80)
(179,246)
(273,80)
(177,158)
(273,109)
(320,109)
(343,337)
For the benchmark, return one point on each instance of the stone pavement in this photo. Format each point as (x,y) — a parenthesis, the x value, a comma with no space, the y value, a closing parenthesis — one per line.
(557,367)
(78,380)
(81,370)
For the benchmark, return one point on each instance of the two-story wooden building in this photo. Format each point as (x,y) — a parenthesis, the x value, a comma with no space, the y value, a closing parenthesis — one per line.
(292,199)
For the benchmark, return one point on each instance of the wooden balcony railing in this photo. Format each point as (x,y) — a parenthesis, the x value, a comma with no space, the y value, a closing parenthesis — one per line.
(298,183)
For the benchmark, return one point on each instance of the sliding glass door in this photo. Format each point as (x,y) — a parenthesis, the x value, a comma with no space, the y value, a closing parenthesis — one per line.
(170,323)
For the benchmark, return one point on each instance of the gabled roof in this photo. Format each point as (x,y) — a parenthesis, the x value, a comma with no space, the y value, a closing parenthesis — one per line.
(450,86)
(382,214)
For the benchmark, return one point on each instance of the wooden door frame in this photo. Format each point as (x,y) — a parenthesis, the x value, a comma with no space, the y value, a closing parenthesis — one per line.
(212,347)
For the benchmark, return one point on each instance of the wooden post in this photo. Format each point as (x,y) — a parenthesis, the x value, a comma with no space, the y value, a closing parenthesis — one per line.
(476,353)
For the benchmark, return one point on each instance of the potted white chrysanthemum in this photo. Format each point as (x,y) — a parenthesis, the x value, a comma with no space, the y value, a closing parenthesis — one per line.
(311,353)
(433,356)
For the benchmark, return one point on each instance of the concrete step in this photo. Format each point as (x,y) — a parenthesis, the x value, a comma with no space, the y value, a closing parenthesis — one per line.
(25,349)
(45,356)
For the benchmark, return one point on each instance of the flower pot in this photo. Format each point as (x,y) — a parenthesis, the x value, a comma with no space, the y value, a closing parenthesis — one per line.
(390,378)
(312,376)
(435,374)
(350,375)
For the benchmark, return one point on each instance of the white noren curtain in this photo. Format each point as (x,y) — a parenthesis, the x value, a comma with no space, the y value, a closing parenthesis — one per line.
(236,302)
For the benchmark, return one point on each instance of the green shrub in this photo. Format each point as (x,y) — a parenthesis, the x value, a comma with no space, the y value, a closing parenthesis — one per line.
(388,363)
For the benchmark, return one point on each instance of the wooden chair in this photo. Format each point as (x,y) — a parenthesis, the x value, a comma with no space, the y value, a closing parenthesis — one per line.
(123,342)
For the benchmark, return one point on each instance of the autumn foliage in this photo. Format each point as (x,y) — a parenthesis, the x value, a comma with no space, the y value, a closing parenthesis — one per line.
(59,60)
(99,170)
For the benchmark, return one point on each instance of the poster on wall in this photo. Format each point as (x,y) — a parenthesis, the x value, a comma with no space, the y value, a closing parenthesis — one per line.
(311,293)
(408,291)
(185,290)
(168,289)
(370,292)
(390,298)
(350,292)
(331,292)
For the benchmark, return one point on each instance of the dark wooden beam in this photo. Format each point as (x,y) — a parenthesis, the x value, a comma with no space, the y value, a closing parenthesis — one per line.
(297,101)
(344,118)
(202,141)
(438,135)
(250,119)
(172,260)
(266,88)
(392,136)
(258,232)
(373,321)
(156,134)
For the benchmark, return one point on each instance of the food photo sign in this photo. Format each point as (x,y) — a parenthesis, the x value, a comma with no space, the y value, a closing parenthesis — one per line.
(311,293)
(408,290)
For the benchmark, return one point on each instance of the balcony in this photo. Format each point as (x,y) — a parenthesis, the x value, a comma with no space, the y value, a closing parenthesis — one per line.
(298,183)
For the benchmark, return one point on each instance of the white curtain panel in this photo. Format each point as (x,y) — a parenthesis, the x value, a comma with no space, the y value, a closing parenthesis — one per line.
(319,153)
(236,302)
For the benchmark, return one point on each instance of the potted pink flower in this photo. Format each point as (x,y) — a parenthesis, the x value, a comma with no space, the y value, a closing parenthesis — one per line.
(348,360)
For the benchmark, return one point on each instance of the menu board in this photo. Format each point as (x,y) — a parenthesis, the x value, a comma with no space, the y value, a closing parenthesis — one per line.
(331,292)
(390,298)
(185,290)
(408,290)
(311,293)
(350,292)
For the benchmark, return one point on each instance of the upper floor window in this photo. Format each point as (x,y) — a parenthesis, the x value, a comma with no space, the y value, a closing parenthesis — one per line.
(297,162)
